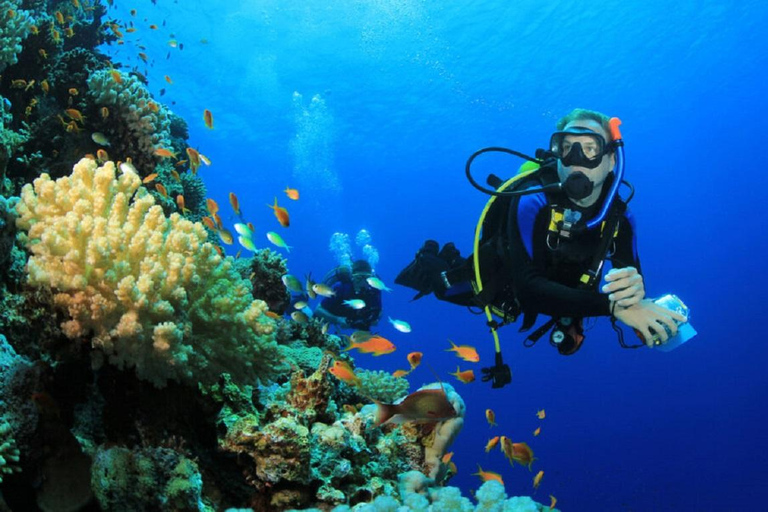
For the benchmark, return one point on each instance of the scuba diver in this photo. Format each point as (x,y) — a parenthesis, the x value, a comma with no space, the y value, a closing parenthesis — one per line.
(355,303)
(541,243)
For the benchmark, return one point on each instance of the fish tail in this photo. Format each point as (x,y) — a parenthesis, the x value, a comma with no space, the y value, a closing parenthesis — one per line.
(351,346)
(453,346)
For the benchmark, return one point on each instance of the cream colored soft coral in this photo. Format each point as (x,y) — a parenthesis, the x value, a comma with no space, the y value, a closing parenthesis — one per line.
(150,291)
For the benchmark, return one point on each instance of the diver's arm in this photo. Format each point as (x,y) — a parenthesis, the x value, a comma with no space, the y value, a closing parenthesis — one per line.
(535,291)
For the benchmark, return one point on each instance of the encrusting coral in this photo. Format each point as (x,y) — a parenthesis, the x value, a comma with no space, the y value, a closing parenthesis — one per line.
(154,294)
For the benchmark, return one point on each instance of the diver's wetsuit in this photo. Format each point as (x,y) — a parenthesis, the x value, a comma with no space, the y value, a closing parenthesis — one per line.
(547,281)
(342,285)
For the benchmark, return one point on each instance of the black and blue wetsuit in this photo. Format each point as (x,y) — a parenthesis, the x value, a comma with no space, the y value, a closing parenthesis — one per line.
(546,274)
(526,269)
(341,282)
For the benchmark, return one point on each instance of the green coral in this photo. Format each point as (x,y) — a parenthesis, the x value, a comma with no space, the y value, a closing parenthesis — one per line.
(382,386)
(9,452)
(13,30)
(146,479)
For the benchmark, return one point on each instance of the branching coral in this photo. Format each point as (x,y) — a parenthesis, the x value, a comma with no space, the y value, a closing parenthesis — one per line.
(150,290)
(136,121)
(13,29)
(9,453)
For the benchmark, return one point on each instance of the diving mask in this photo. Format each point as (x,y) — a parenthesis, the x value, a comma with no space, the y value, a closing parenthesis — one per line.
(580,147)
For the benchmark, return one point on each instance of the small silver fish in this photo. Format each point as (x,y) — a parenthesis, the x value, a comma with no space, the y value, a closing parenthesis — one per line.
(100,139)
(323,290)
(355,303)
(377,283)
(400,325)
(292,283)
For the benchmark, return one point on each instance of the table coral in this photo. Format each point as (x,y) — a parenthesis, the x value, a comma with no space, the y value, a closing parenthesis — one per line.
(151,292)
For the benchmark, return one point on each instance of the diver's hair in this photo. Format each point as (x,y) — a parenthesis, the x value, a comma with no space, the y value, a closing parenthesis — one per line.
(583,114)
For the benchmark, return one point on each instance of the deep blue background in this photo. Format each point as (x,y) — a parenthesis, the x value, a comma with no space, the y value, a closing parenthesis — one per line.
(408,90)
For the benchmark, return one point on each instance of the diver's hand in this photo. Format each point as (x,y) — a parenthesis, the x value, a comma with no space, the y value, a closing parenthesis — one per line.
(625,286)
(649,319)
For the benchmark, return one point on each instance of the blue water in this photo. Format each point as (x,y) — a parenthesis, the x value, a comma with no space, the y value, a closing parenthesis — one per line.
(406,90)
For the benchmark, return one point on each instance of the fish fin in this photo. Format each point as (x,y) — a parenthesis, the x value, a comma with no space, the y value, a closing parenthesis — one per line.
(352,344)
(384,413)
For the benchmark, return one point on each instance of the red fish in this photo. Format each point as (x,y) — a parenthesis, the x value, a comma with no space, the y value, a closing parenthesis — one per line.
(465,352)
(281,214)
(375,345)
(235,203)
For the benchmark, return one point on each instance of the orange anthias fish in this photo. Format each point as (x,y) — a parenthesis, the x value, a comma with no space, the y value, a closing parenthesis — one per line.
(488,475)
(522,454)
(165,153)
(194,159)
(209,223)
(400,373)
(161,189)
(75,115)
(491,444)
(465,376)
(342,371)
(537,431)
(292,193)
(537,479)
(181,205)
(235,203)
(465,352)
(208,118)
(506,448)
(422,406)
(553,502)
(375,345)
(491,417)
(212,206)
(414,359)
(541,414)
(281,214)
(102,155)
(149,178)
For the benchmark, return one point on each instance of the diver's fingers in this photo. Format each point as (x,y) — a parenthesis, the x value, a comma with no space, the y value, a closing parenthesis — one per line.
(670,322)
(625,293)
(647,336)
(635,280)
(629,301)
(620,273)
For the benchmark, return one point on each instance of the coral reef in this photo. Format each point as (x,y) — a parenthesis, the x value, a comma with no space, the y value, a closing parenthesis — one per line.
(153,293)
(265,270)
(146,479)
(209,403)
(137,124)
(9,452)
(310,445)
(13,30)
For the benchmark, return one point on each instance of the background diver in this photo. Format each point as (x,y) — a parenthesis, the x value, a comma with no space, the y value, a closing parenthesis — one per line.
(542,240)
(350,286)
